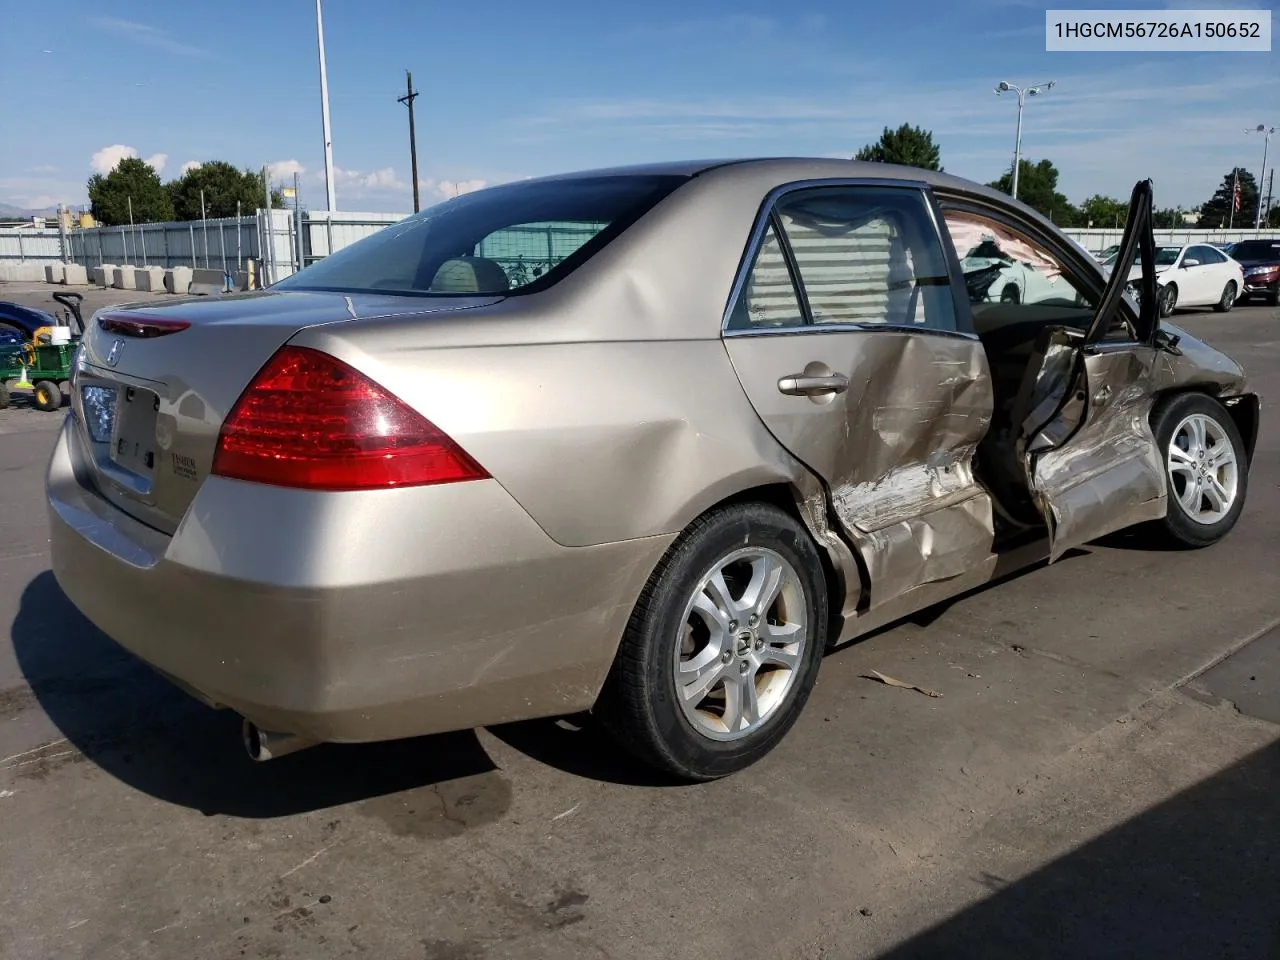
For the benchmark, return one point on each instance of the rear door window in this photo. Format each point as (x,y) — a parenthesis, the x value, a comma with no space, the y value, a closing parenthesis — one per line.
(868,256)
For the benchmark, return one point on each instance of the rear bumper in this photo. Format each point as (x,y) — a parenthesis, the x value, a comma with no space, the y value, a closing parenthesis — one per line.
(350,617)
(1256,286)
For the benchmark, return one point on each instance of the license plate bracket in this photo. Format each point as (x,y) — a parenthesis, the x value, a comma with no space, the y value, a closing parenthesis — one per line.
(133,445)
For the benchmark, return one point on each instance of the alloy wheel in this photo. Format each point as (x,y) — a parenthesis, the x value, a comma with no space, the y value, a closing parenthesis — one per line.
(743,640)
(1203,472)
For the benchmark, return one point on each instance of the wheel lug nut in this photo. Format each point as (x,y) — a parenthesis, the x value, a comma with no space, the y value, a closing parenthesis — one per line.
(753,620)
(742,667)
(726,656)
(733,625)
(759,644)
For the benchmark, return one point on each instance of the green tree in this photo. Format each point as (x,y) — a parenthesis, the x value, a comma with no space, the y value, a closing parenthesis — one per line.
(132,180)
(908,145)
(224,186)
(1100,211)
(1217,212)
(1038,189)
(1168,219)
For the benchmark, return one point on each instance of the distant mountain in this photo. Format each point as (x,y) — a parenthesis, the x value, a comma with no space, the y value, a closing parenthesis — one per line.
(9,210)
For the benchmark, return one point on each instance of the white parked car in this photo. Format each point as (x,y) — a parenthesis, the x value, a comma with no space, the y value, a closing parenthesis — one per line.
(994,273)
(1194,275)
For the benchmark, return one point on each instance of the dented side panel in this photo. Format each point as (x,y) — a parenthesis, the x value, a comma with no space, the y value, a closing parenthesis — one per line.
(1108,475)
(895,450)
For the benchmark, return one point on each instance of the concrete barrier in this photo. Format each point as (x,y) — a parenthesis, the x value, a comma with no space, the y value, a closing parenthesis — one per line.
(123,278)
(207,283)
(53,273)
(104,275)
(74,275)
(177,280)
(21,272)
(150,279)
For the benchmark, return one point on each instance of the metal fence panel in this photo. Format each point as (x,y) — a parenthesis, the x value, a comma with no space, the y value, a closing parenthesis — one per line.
(227,243)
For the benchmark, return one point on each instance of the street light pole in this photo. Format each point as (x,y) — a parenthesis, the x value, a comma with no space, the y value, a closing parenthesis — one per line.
(1023,93)
(324,115)
(1266,142)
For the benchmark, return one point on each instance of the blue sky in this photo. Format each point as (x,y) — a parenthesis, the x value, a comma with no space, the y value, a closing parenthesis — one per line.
(517,89)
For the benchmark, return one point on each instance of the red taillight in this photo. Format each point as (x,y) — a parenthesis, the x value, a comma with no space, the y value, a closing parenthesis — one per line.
(138,325)
(309,420)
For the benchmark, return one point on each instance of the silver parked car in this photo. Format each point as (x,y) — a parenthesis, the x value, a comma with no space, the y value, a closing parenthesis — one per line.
(645,441)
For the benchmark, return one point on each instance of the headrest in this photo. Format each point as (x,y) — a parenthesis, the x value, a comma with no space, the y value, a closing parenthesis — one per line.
(470,275)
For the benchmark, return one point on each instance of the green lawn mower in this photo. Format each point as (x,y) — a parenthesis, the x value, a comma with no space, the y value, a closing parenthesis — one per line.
(44,362)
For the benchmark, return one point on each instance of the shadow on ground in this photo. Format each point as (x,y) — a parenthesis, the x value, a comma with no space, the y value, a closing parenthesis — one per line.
(1195,876)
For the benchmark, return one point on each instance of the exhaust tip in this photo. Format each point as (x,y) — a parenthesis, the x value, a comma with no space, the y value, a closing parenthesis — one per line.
(263,745)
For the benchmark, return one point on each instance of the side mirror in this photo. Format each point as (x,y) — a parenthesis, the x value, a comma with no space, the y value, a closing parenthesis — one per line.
(1191,262)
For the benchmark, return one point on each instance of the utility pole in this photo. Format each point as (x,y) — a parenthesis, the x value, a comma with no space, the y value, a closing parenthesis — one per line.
(1271,182)
(1266,142)
(407,99)
(330,197)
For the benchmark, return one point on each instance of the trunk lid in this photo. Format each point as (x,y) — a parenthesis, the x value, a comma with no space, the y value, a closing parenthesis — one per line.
(153,384)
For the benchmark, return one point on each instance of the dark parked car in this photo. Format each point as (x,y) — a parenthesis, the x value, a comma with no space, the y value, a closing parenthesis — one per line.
(1261,262)
(19,323)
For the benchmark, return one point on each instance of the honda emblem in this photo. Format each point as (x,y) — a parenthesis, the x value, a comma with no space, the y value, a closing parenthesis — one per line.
(113,357)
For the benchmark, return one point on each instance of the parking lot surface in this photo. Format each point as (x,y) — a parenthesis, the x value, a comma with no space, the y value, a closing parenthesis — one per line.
(1098,779)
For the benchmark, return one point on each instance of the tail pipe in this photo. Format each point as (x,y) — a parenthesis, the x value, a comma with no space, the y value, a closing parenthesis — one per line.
(263,745)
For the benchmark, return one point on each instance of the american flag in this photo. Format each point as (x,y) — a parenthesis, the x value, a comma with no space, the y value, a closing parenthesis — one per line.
(1235,191)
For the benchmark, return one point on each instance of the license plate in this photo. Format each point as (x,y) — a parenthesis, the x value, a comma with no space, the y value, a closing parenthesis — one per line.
(134,445)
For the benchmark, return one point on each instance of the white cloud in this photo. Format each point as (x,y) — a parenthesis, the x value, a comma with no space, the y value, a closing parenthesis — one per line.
(451,188)
(105,160)
(285,168)
(191,165)
(157,161)
(384,179)
(147,35)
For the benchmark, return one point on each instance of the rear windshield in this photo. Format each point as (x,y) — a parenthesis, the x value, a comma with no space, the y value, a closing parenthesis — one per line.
(516,238)
(1256,250)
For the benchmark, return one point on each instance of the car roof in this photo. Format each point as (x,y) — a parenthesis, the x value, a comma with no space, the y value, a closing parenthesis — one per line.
(785,169)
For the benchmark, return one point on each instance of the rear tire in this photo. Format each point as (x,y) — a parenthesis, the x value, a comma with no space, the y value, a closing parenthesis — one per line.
(1205,468)
(1168,300)
(4,395)
(1228,298)
(706,682)
(47,396)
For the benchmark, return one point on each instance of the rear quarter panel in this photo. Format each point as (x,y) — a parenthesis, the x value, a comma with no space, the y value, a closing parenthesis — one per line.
(598,441)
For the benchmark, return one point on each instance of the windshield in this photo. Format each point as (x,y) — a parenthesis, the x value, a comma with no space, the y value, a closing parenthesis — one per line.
(1165,257)
(510,239)
(1256,250)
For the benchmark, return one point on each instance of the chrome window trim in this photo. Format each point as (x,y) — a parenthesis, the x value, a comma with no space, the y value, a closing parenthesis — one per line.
(764,216)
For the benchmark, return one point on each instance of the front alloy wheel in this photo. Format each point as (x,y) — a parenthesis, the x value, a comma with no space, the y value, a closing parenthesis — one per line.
(1205,466)
(723,646)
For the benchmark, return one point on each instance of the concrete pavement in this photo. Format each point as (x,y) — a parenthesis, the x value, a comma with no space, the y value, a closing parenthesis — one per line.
(1069,795)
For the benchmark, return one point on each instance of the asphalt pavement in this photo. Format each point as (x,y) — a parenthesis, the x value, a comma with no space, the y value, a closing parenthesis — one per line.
(1099,779)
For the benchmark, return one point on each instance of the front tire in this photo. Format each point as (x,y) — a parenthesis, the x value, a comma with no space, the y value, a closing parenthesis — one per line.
(1205,466)
(723,647)
(1168,300)
(47,396)
(1010,295)
(1228,299)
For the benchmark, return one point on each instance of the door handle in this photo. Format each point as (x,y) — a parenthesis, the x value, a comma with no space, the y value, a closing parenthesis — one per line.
(804,385)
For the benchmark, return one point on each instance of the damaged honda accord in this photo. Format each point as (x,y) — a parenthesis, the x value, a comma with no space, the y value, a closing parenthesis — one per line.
(641,441)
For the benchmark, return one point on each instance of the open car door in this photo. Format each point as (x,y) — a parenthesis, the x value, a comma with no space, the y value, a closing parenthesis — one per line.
(1084,440)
